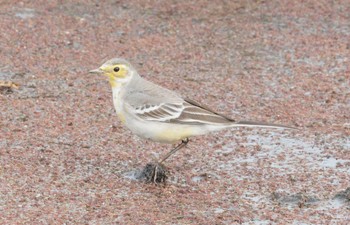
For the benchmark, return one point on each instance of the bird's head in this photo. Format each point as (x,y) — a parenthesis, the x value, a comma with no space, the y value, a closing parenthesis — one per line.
(119,71)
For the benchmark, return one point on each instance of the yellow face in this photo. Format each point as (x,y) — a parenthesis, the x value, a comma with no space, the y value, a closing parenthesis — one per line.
(116,72)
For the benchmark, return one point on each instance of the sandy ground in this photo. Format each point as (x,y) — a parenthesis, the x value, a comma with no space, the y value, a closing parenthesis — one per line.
(66,159)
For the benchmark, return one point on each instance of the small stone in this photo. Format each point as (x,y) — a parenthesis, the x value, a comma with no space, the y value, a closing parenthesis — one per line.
(346,125)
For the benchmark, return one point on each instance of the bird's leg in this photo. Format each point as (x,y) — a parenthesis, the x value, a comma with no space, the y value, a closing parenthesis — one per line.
(181,145)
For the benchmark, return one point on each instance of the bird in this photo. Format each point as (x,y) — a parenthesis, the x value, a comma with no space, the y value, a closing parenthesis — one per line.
(159,114)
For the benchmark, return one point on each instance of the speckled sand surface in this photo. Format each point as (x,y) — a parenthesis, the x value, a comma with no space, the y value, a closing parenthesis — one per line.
(66,159)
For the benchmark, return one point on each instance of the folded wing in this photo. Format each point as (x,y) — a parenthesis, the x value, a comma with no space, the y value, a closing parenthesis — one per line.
(185,112)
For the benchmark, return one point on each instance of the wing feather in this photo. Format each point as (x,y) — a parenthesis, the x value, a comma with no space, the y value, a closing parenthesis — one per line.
(151,102)
(184,113)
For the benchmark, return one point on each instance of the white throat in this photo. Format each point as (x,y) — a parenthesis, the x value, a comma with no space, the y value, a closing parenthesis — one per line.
(117,102)
(118,90)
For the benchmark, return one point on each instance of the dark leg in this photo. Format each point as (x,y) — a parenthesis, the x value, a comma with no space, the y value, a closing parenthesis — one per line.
(183,144)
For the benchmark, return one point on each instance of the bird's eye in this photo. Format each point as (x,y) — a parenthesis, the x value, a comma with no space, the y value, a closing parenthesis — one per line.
(116,69)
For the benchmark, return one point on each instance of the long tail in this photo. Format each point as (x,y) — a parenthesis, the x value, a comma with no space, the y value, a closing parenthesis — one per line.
(224,120)
(259,124)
